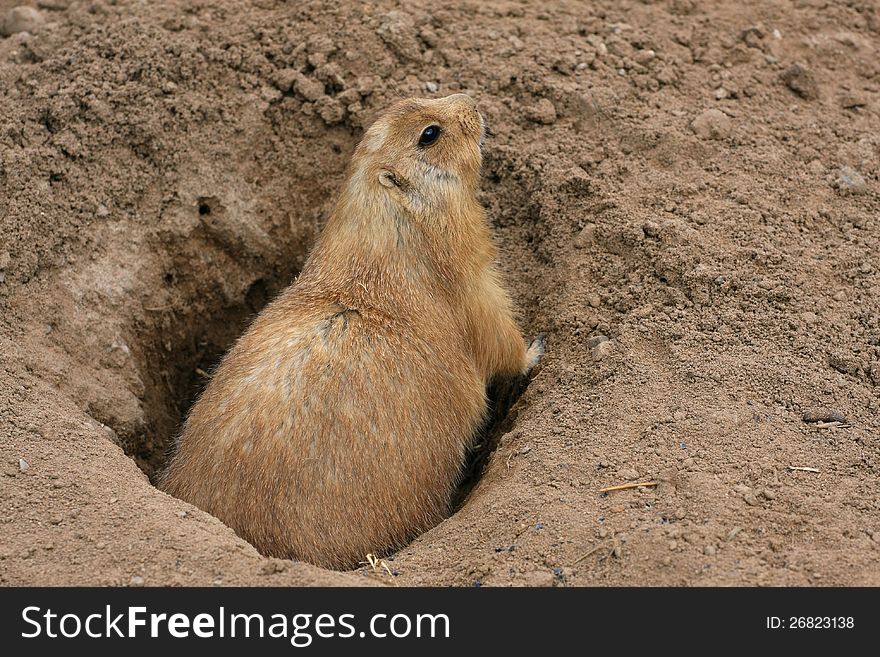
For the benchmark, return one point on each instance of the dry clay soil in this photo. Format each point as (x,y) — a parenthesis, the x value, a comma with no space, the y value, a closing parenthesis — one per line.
(685,196)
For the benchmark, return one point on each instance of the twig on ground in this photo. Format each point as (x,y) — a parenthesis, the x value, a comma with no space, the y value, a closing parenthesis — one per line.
(639,484)
(376,563)
(591,552)
(833,425)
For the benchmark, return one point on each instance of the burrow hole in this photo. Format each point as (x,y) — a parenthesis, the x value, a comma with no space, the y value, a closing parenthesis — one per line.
(179,350)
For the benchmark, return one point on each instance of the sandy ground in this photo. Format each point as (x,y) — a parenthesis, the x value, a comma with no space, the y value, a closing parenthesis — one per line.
(686,199)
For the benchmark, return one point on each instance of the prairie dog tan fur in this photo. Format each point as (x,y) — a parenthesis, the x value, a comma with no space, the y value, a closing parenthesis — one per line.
(338,424)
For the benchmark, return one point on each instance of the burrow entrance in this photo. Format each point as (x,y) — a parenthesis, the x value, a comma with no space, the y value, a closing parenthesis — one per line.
(181,343)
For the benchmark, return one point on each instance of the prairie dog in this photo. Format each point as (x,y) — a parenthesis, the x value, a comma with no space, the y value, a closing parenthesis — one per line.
(338,424)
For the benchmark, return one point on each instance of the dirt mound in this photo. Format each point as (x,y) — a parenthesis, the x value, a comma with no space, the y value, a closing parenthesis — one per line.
(686,199)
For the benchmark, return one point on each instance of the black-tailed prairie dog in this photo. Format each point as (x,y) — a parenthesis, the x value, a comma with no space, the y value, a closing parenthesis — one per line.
(338,424)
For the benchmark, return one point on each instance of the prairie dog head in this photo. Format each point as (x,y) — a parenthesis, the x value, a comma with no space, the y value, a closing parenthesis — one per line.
(423,155)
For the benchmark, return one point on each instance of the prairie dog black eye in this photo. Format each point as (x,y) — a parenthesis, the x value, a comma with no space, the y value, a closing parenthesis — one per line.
(429,135)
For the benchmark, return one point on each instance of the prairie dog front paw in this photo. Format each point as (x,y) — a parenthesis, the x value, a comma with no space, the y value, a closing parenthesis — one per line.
(534,353)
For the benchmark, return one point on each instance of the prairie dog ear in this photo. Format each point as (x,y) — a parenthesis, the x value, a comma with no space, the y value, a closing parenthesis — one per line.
(390,178)
(387,179)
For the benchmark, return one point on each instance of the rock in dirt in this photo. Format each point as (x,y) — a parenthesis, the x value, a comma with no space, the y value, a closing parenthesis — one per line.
(21,19)
(850,181)
(844,364)
(801,81)
(821,414)
(285,78)
(853,99)
(543,112)
(309,89)
(399,34)
(630,474)
(712,124)
(602,350)
(538,578)
(330,110)
(23,466)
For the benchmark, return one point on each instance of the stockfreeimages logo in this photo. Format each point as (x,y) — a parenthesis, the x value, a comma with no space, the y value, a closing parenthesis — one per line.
(300,629)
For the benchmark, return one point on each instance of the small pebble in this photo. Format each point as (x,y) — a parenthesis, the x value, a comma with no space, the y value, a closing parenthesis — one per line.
(801,81)
(23,465)
(850,181)
(431,87)
(630,474)
(816,167)
(21,19)
(309,89)
(644,57)
(136,580)
(712,124)
(330,110)
(853,99)
(285,78)
(709,550)
(602,350)
(539,578)
(821,414)
(542,112)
